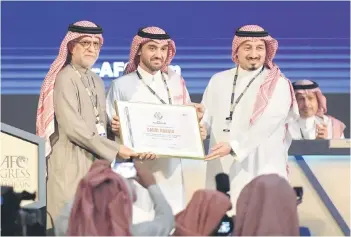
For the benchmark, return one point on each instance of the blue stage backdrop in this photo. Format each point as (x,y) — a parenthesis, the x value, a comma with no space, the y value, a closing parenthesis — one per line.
(313,38)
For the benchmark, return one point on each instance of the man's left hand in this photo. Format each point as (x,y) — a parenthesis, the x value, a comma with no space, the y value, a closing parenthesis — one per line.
(219,150)
(203,131)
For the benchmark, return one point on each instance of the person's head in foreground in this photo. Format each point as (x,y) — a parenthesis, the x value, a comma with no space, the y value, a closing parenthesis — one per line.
(203,213)
(103,203)
(267,206)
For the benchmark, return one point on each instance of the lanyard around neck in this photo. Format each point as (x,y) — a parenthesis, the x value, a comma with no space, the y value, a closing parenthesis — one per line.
(153,92)
(234,104)
(90,94)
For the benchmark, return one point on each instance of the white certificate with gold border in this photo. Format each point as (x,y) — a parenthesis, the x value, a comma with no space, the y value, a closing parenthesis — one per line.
(166,130)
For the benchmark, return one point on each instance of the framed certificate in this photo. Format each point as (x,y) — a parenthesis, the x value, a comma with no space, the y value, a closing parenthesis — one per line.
(169,131)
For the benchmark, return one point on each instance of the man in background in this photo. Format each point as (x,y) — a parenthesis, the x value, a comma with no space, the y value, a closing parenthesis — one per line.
(313,122)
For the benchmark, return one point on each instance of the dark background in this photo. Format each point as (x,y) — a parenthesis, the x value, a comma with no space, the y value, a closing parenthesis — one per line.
(314,42)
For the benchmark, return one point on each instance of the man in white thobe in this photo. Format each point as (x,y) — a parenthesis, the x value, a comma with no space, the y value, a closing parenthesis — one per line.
(147,78)
(313,122)
(246,112)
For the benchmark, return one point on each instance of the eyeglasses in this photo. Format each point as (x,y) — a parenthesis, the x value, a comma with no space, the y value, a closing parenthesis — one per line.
(87,44)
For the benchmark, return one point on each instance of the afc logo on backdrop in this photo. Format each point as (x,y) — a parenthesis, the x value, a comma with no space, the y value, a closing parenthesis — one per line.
(14,171)
(115,69)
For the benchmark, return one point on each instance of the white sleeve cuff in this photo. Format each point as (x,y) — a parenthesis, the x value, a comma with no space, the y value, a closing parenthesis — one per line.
(240,154)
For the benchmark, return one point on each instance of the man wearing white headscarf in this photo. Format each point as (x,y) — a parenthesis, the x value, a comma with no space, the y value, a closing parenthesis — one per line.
(247,109)
(148,78)
(313,122)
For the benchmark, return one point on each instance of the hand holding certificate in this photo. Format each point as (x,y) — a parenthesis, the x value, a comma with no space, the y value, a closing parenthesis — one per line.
(166,130)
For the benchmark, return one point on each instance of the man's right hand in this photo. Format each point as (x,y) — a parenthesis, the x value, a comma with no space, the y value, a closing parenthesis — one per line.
(115,126)
(200,110)
(126,153)
(144,177)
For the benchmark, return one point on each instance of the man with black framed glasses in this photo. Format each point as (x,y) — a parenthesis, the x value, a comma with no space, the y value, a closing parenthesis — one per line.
(71,115)
(247,109)
(86,43)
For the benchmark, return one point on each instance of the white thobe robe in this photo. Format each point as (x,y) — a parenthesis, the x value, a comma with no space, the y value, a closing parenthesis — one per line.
(305,128)
(167,172)
(260,148)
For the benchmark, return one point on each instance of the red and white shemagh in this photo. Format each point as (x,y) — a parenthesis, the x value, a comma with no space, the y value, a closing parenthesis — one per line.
(322,101)
(45,126)
(267,88)
(138,41)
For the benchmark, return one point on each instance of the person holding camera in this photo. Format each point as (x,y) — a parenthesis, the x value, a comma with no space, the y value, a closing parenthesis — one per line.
(103,191)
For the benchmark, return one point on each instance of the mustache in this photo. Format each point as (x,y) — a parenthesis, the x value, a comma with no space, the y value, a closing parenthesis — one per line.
(156,58)
(256,58)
